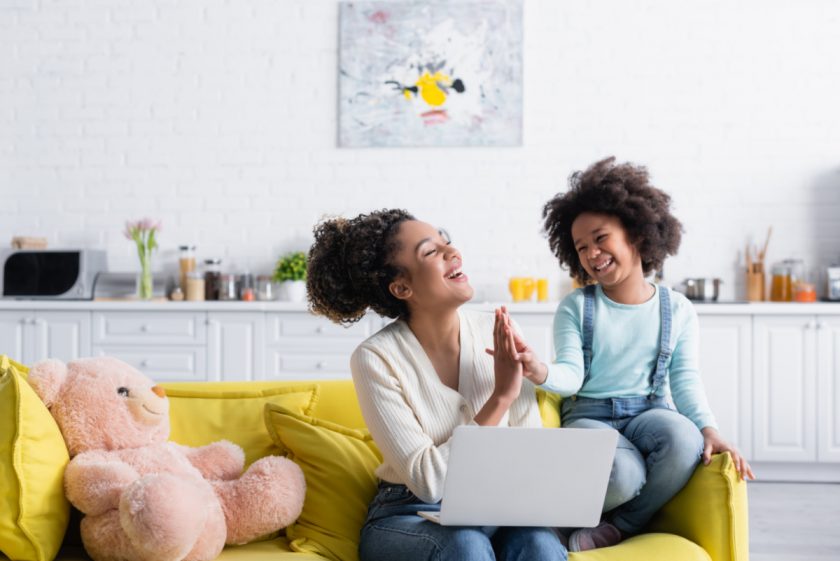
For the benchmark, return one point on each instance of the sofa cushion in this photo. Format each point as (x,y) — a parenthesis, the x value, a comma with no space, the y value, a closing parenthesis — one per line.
(274,550)
(549,406)
(33,509)
(339,465)
(201,413)
(646,547)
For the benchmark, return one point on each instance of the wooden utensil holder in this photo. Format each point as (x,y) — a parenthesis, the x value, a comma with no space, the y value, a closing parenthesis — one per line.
(755,286)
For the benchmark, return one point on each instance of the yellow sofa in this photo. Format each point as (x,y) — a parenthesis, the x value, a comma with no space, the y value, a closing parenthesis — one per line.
(707,520)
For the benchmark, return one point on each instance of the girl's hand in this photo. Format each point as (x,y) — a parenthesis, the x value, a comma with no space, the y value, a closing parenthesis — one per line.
(533,369)
(713,443)
(506,361)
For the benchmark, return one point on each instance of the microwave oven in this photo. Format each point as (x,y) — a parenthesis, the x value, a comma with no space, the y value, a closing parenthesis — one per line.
(67,274)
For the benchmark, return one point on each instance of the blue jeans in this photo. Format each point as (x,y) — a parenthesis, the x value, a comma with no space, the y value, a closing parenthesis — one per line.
(394,531)
(658,451)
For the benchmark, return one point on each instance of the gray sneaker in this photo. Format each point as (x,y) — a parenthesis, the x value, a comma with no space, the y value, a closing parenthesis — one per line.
(602,535)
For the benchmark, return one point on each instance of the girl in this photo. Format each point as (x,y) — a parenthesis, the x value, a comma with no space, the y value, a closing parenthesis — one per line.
(626,349)
(420,377)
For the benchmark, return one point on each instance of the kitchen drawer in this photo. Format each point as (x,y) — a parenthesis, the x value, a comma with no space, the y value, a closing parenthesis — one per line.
(167,328)
(289,365)
(173,364)
(304,329)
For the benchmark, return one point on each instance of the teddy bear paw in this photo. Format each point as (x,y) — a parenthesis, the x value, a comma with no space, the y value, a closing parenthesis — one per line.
(267,497)
(165,515)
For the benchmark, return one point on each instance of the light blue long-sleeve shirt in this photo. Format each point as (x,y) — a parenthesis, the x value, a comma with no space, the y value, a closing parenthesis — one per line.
(625,346)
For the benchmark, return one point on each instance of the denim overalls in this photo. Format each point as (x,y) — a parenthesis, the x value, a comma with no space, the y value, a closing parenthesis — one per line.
(658,448)
(618,410)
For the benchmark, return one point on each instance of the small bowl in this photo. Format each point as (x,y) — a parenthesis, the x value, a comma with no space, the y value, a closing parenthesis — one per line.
(701,289)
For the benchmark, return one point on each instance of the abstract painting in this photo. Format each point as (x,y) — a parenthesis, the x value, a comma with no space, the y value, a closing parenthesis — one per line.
(430,73)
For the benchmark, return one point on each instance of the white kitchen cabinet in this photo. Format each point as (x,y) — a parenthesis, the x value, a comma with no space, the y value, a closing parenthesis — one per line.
(726,367)
(538,332)
(300,345)
(166,346)
(29,336)
(235,345)
(828,388)
(158,328)
(13,341)
(177,363)
(785,388)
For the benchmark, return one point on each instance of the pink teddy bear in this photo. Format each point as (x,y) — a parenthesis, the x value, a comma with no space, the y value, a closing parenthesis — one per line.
(147,499)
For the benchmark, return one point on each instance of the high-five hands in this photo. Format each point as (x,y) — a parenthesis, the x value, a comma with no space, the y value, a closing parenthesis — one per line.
(507,363)
(533,369)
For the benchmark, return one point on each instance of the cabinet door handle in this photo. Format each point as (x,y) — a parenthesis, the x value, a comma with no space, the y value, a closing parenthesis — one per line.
(821,325)
(144,363)
(144,328)
(321,365)
(319,329)
(811,324)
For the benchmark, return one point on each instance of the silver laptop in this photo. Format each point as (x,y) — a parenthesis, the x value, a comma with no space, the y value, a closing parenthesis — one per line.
(512,476)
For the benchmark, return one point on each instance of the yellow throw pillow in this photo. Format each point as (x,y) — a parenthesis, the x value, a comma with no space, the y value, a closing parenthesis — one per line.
(201,413)
(33,509)
(338,463)
(549,406)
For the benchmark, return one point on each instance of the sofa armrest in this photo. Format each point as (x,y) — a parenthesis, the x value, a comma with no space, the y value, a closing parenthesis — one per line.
(711,510)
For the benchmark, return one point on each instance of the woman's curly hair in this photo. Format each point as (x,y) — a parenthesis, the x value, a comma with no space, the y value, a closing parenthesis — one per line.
(620,190)
(350,266)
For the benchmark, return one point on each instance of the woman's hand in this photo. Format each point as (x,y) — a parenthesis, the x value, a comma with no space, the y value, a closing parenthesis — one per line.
(507,368)
(507,364)
(713,443)
(535,370)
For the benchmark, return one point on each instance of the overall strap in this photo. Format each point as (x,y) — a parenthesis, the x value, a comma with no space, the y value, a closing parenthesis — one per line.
(658,375)
(588,320)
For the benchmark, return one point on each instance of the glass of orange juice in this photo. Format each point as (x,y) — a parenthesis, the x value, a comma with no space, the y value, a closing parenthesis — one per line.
(542,290)
(530,285)
(517,288)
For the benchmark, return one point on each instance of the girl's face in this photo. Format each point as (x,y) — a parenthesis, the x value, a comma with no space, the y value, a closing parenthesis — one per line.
(433,276)
(604,250)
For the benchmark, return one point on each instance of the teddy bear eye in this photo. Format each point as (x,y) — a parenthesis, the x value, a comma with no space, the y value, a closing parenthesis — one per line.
(123,391)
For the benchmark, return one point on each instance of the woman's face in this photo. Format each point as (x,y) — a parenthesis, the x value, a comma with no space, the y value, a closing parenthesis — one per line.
(604,250)
(432,275)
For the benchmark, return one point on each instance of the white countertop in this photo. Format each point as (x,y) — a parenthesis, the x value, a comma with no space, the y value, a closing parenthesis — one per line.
(722,308)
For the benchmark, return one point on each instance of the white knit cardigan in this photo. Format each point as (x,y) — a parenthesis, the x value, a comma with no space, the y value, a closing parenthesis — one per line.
(411,414)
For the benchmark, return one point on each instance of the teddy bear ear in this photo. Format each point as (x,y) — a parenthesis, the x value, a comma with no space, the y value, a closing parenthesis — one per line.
(46,378)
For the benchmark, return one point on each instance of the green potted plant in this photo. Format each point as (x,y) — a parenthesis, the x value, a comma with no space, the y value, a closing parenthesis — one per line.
(290,272)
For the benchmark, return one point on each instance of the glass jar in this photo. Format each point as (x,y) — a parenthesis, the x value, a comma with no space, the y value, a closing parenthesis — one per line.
(246,287)
(195,287)
(803,285)
(265,288)
(797,271)
(212,274)
(227,287)
(781,289)
(186,263)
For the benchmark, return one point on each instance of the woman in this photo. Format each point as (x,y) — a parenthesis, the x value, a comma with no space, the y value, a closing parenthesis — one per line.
(420,377)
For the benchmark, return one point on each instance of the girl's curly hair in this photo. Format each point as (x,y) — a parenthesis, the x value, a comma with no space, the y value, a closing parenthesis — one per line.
(350,266)
(620,190)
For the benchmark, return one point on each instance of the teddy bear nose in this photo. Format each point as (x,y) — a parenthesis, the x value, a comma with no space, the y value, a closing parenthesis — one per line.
(159,391)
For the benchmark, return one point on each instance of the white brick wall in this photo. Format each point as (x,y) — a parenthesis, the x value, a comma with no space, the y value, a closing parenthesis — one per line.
(219,118)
